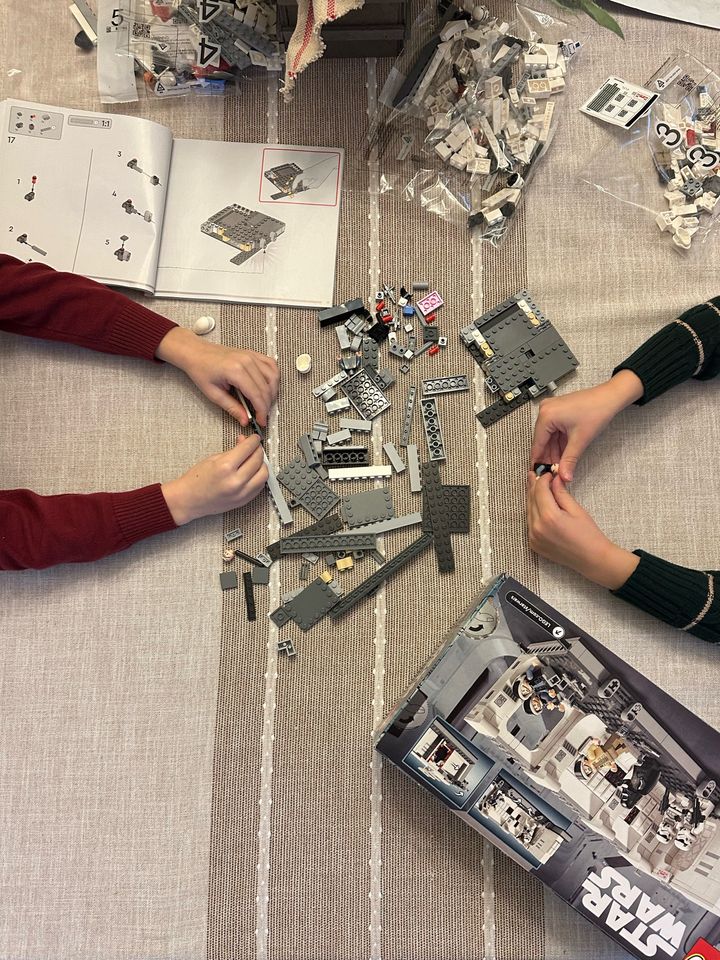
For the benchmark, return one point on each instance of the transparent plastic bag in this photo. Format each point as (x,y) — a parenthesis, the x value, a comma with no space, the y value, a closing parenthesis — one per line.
(187,47)
(668,162)
(469,109)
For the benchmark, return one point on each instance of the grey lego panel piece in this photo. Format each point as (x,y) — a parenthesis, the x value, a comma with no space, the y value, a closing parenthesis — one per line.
(551,359)
(365,395)
(396,461)
(260,575)
(437,385)
(434,512)
(370,585)
(346,457)
(407,421)
(394,523)
(414,468)
(433,430)
(307,488)
(371,507)
(340,436)
(312,603)
(228,580)
(325,526)
(276,494)
(496,411)
(329,544)
(374,472)
(369,352)
(364,426)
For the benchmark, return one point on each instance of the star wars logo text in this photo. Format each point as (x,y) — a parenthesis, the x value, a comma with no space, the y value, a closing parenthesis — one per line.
(627,910)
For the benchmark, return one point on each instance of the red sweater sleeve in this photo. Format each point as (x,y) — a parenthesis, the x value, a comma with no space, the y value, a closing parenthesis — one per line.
(36,531)
(40,531)
(38,301)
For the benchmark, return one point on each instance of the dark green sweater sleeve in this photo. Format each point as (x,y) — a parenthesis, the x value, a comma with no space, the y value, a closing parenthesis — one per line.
(687,347)
(684,598)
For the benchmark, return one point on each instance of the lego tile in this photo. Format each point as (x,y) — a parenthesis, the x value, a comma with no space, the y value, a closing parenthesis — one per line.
(260,575)
(414,468)
(375,472)
(228,580)
(396,461)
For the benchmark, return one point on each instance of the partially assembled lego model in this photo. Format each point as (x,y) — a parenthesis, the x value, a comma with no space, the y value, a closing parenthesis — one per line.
(249,231)
(520,352)
(575,765)
(285,178)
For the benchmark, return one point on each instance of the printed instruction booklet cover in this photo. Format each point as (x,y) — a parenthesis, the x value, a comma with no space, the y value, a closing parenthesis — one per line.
(117,199)
(575,766)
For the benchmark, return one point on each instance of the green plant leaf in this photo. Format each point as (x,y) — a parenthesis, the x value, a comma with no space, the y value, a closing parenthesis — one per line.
(601,16)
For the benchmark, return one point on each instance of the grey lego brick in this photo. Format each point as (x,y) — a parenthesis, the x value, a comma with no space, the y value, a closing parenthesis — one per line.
(501,408)
(394,523)
(287,647)
(335,406)
(340,436)
(346,457)
(323,527)
(373,472)
(414,468)
(343,336)
(311,558)
(260,575)
(438,385)
(363,426)
(430,334)
(233,535)
(370,507)
(308,450)
(341,312)
(312,603)
(434,511)
(334,381)
(307,488)
(382,574)
(407,420)
(228,580)
(250,594)
(328,544)
(433,430)
(396,461)
(365,395)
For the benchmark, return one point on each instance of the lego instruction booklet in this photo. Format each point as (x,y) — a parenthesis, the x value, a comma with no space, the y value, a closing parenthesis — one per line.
(576,766)
(117,199)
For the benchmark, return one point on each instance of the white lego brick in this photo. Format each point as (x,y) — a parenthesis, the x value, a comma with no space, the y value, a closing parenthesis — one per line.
(551,52)
(493,88)
(479,166)
(443,150)
(458,162)
(453,29)
(684,210)
(557,84)
(546,122)
(539,89)
(503,51)
(664,221)
(674,197)
(539,59)
(359,473)
(340,436)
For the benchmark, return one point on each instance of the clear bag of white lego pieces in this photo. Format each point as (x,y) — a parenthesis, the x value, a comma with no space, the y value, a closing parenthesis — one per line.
(667,163)
(169,48)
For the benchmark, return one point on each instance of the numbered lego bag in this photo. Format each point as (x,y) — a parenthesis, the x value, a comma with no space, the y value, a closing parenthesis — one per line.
(663,151)
(196,47)
(469,110)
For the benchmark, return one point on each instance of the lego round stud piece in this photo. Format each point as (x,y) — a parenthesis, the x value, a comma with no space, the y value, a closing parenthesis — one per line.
(203,325)
(228,555)
(303,363)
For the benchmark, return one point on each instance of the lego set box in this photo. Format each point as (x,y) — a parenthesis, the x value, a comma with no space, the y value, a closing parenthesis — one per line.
(575,766)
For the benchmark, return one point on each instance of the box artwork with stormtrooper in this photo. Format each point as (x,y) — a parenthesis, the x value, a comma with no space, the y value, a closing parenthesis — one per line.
(575,766)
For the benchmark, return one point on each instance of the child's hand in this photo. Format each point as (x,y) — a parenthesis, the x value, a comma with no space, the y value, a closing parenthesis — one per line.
(559,529)
(567,425)
(218,483)
(214,369)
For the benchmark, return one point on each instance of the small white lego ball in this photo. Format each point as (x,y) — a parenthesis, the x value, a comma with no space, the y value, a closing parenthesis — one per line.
(303,363)
(203,325)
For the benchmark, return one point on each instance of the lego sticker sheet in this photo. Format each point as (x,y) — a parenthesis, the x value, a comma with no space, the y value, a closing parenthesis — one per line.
(105,221)
(251,223)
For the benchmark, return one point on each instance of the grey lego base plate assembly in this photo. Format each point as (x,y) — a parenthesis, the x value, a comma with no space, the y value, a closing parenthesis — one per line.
(307,488)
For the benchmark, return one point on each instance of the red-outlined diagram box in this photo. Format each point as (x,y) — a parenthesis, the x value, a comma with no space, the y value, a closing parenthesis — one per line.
(302,176)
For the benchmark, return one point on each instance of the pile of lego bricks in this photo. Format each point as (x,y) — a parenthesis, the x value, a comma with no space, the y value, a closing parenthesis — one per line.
(522,356)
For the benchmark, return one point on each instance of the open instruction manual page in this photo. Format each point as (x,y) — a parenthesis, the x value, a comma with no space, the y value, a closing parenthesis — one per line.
(116,199)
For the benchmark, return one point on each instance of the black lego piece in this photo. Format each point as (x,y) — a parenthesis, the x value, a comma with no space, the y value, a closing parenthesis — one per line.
(370,585)
(434,507)
(496,411)
(457,507)
(378,332)
(253,561)
(341,312)
(249,596)
(345,457)
(327,525)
